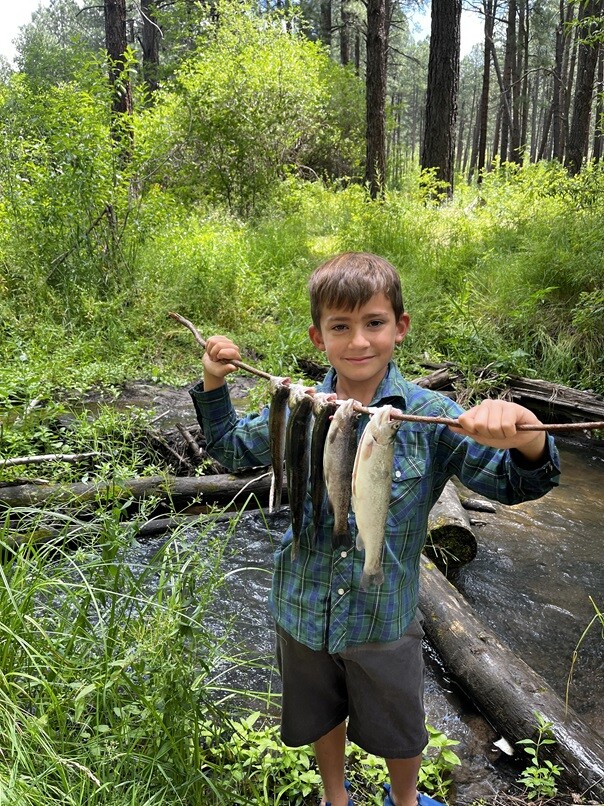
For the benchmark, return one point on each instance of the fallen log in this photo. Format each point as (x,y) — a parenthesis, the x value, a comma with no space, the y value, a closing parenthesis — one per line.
(451,542)
(220,489)
(554,401)
(504,687)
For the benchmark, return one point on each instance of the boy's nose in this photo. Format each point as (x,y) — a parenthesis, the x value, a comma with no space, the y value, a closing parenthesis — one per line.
(358,338)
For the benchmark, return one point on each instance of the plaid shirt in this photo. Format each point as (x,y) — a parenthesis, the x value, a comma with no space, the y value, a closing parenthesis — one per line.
(317,598)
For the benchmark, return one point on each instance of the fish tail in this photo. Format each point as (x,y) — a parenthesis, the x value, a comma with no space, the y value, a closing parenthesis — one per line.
(372,578)
(340,538)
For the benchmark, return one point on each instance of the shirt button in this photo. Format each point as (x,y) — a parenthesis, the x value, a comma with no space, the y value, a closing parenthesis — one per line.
(341,591)
(343,554)
(398,474)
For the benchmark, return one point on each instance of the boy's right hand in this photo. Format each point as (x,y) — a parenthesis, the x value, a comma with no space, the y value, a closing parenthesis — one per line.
(219,351)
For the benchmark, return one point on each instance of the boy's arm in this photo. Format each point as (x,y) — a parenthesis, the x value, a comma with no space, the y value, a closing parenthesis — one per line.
(219,351)
(494,423)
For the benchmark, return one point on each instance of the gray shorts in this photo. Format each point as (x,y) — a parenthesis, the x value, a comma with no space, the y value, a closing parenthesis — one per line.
(379,687)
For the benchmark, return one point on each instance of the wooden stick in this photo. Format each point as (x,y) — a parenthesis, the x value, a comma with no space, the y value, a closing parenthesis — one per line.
(47,457)
(200,341)
(412,418)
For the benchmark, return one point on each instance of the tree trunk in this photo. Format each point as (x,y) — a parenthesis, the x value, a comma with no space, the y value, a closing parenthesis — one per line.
(558,98)
(116,44)
(504,121)
(507,122)
(598,149)
(149,41)
(568,71)
(504,687)
(344,32)
(523,78)
(489,24)
(515,154)
(376,80)
(587,58)
(443,82)
(326,23)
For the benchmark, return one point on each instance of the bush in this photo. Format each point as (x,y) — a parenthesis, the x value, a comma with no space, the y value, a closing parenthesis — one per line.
(255,99)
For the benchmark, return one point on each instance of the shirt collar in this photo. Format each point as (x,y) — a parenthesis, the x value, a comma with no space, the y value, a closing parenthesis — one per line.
(392,386)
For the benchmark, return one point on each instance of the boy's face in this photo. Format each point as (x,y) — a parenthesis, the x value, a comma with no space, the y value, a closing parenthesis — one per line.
(360,343)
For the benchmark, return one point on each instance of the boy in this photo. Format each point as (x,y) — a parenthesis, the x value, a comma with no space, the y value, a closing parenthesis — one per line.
(351,659)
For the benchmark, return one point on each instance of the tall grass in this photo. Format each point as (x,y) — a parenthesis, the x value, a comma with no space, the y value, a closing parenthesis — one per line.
(508,274)
(106,681)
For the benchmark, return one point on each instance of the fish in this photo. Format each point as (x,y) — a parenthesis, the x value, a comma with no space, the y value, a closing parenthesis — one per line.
(338,462)
(324,407)
(371,489)
(297,458)
(277,418)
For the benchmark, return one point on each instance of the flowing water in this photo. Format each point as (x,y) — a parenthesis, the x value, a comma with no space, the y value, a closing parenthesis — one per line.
(537,566)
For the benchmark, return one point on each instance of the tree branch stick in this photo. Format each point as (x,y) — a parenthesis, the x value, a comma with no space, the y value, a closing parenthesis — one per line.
(413,418)
(200,341)
(48,457)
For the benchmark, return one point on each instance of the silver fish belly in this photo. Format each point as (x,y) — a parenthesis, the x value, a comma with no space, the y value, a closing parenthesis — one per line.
(277,418)
(371,490)
(338,462)
(297,460)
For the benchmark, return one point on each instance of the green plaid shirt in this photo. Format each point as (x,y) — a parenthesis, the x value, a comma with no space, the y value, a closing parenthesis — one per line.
(317,598)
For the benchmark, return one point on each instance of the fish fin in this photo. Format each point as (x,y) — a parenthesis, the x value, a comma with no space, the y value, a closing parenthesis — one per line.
(295,542)
(271,495)
(367,449)
(369,580)
(360,544)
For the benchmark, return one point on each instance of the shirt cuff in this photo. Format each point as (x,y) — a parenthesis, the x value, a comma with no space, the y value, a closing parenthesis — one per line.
(548,467)
(214,409)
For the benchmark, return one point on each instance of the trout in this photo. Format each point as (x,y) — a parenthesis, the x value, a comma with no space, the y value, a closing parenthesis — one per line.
(277,417)
(338,461)
(297,459)
(324,408)
(371,489)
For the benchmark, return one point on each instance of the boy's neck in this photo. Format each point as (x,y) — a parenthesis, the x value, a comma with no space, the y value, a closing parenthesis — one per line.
(363,393)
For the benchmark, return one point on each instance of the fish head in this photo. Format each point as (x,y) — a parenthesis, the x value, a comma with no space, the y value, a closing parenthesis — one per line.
(321,400)
(383,429)
(297,392)
(277,382)
(342,417)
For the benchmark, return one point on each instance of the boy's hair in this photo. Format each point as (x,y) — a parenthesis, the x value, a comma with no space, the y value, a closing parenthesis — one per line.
(349,280)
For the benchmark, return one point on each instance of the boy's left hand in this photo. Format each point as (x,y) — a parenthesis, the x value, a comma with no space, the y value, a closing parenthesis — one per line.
(494,423)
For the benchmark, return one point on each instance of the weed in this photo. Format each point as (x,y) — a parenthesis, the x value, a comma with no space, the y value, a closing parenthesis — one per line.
(539,777)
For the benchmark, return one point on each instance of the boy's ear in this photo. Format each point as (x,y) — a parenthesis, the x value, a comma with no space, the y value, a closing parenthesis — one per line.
(315,336)
(402,326)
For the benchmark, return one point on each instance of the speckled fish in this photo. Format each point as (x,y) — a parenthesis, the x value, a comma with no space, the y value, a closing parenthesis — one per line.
(338,461)
(297,458)
(277,418)
(324,407)
(371,488)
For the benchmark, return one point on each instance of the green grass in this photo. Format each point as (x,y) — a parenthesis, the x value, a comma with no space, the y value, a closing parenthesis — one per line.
(107,669)
(112,684)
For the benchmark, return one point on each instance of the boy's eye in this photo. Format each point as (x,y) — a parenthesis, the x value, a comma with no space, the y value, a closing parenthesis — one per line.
(338,328)
(376,323)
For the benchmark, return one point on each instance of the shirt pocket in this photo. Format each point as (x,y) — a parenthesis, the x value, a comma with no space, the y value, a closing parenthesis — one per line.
(409,485)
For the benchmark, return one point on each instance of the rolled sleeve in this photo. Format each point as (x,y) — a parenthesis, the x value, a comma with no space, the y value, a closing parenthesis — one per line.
(235,443)
(538,478)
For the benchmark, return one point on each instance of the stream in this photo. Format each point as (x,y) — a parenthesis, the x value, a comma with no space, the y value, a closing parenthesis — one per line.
(537,566)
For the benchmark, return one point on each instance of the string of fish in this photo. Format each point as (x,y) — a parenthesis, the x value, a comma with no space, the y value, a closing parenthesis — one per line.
(318,444)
